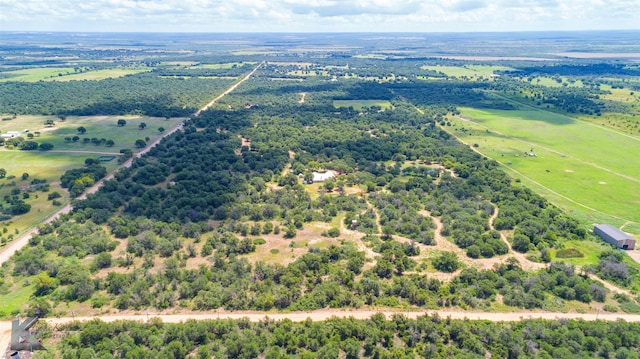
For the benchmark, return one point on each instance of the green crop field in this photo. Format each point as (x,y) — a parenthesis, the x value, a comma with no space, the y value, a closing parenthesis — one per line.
(587,169)
(360,104)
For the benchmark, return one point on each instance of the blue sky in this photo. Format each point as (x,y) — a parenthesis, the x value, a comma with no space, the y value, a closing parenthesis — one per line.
(318,15)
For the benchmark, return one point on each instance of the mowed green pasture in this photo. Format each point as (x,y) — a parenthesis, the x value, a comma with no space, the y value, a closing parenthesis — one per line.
(550,82)
(360,104)
(39,165)
(590,171)
(96,127)
(468,70)
(35,74)
(66,74)
(16,299)
(99,74)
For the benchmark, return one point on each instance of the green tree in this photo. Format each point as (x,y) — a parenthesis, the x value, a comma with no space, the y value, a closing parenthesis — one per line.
(140,143)
(446,262)
(81,130)
(122,122)
(45,146)
(44,284)
(142,126)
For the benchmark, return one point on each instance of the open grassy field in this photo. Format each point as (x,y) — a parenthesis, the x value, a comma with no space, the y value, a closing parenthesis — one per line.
(99,74)
(39,165)
(36,74)
(467,70)
(360,104)
(586,169)
(226,65)
(550,82)
(15,300)
(66,74)
(96,127)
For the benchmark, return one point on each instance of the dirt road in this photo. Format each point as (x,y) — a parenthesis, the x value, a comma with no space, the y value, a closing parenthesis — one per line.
(22,241)
(324,314)
(233,87)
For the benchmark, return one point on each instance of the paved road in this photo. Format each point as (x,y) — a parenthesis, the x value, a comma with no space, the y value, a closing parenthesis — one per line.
(22,241)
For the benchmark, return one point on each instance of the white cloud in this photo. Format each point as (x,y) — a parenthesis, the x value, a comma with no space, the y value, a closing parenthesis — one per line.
(318,15)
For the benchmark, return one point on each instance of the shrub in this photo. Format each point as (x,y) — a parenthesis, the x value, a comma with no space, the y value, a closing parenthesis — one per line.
(446,262)
(569,253)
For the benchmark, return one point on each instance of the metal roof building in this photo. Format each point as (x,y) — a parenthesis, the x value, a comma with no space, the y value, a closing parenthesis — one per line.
(613,235)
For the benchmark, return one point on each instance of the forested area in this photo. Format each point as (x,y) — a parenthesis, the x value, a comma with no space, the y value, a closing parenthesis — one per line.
(200,194)
(224,214)
(146,94)
(377,337)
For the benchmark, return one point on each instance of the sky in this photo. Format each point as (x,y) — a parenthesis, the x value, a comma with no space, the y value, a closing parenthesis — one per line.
(317,15)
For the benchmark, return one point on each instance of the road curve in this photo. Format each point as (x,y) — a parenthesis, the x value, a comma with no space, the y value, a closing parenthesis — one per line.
(22,241)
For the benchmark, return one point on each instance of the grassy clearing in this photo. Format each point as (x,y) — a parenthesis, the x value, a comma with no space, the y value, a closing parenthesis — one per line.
(96,127)
(39,165)
(588,249)
(474,71)
(99,74)
(16,298)
(66,74)
(551,82)
(578,166)
(36,74)
(227,65)
(360,104)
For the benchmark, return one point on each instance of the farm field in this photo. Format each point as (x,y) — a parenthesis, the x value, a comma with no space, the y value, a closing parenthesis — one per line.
(360,104)
(581,167)
(96,127)
(468,70)
(99,74)
(66,74)
(35,74)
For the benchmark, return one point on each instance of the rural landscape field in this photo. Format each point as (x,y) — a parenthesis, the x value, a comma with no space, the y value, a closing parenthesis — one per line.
(321,195)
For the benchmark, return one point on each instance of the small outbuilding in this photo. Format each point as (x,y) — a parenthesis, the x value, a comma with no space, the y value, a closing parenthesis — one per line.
(614,236)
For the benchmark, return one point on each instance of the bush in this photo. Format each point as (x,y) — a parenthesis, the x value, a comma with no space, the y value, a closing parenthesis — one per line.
(569,253)
(446,262)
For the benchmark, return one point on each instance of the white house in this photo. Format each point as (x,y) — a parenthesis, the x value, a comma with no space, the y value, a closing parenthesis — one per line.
(323,176)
